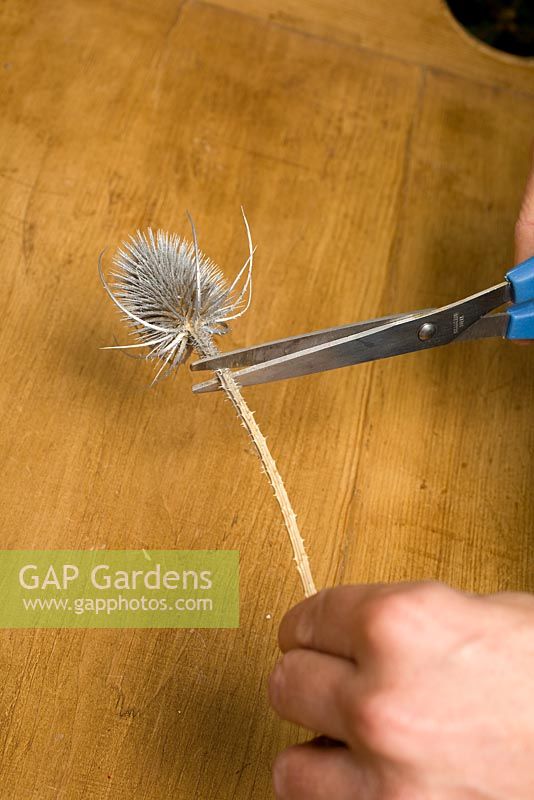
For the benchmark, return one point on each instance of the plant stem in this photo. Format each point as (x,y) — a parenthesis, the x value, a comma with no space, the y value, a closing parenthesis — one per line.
(206,348)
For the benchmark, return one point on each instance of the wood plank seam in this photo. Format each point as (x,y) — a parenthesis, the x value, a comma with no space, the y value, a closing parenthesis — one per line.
(363,49)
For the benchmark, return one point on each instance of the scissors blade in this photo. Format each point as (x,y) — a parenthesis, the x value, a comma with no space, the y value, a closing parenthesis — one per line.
(258,354)
(396,337)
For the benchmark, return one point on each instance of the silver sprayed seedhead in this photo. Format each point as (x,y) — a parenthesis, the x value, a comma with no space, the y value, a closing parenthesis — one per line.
(173,296)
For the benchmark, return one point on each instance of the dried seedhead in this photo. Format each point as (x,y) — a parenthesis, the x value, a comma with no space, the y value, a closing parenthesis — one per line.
(174,297)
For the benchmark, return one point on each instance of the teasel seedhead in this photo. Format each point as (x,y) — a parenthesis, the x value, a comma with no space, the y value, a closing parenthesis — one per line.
(174,297)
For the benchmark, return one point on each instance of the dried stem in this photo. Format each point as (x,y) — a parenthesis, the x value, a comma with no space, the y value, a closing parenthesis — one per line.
(206,347)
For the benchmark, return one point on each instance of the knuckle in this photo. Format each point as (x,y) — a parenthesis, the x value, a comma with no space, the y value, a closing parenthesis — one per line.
(428,592)
(383,724)
(523,224)
(369,720)
(380,617)
(390,617)
(519,227)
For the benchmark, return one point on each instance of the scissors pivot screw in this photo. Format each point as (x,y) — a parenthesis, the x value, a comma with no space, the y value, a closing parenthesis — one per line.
(427,331)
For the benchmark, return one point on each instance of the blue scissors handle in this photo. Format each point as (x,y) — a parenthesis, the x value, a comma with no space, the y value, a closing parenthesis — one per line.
(521,314)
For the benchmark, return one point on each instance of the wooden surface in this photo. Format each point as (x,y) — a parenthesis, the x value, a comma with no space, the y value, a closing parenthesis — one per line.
(380,156)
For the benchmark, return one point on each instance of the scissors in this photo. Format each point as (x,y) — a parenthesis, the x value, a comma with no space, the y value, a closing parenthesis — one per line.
(383,337)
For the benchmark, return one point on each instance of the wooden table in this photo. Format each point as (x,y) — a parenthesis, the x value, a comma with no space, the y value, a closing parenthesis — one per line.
(380,157)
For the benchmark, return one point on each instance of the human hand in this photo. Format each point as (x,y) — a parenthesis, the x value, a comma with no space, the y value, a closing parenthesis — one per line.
(431,692)
(524,229)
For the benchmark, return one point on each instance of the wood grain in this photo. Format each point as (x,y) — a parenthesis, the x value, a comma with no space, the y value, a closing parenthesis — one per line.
(423,32)
(373,183)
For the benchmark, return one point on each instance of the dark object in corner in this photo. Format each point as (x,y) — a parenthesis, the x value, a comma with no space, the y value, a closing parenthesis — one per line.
(507,25)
